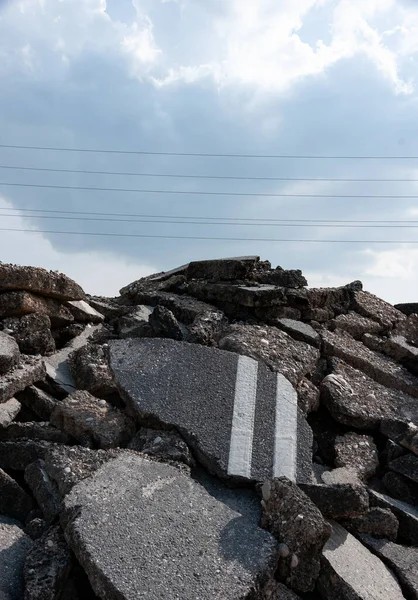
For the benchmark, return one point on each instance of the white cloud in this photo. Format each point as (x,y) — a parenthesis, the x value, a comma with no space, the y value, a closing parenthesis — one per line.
(99,273)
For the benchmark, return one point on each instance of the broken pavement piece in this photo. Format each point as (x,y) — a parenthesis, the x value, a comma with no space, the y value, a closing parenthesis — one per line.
(356,400)
(351,572)
(159,542)
(92,421)
(240,419)
(380,368)
(356,325)
(47,566)
(57,366)
(406,465)
(166,445)
(338,500)
(8,411)
(377,522)
(405,433)
(402,560)
(30,370)
(308,396)
(406,514)
(400,487)
(165,324)
(90,370)
(223,269)
(43,489)
(34,430)
(135,323)
(300,331)
(32,333)
(38,401)
(296,522)
(9,353)
(407,308)
(14,501)
(18,455)
(83,312)
(371,306)
(38,280)
(14,547)
(276,348)
(358,453)
(18,304)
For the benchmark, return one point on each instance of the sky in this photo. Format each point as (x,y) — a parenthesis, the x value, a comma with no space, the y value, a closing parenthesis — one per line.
(322,78)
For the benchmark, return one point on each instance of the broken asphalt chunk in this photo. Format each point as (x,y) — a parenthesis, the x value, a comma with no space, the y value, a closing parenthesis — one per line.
(159,541)
(14,547)
(35,279)
(240,419)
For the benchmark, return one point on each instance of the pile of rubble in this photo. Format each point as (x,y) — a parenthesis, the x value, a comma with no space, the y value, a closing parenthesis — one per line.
(217,431)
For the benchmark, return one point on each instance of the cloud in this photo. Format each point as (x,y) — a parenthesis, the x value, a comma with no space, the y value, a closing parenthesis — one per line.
(99,273)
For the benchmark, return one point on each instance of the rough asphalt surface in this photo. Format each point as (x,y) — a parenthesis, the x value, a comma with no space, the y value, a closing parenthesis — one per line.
(144,529)
(193,388)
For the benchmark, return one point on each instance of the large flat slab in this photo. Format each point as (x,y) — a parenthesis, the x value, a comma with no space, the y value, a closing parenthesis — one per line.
(40,281)
(351,572)
(240,418)
(143,529)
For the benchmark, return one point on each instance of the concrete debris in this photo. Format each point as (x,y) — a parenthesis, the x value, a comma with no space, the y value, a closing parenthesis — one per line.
(140,530)
(92,421)
(113,412)
(14,547)
(351,572)
(299,526)
(358,453)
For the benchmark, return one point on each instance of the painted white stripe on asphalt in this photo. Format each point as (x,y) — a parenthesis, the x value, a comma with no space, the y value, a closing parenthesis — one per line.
(241,444)
(285,439)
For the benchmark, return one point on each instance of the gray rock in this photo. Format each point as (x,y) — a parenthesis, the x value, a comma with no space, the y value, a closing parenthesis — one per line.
(83,312)
(358,453)
(30,370)
(111,308)
(47,566)
(90,369)
(378,522)
(38,401)
(140,530)
(18,304)
(166,445)
(355,399)
(43,489)
(68,465)
(407,308)
(402,560)
(239,418)
(277,349)
(9,353)
(300,331)
(135,323)
(406,465)
(223,269)
(14,547)
(351,572)
(382,369)
(400,487)
(57,365)
(165,324)
(32,333)
(36,430)
(206,328)
(406,514)
(404,433)
(371,306)
(356,325)
(18,455)
(287,278)
(8,411)
(297,523)
(338,500)
(14,501)
(40,281)
(91,421)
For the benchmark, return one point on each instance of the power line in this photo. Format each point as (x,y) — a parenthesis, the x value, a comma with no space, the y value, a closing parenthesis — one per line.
(201,222)
(206,154)
(193,193)
(200,176)
(232,239)
(78,212)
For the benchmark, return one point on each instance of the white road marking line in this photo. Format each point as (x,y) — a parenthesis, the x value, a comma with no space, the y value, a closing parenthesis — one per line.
(285,439)
(242,431)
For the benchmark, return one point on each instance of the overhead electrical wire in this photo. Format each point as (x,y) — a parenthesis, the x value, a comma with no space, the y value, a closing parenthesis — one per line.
(201,176)
(186,237)
(205,154)
(200,193)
